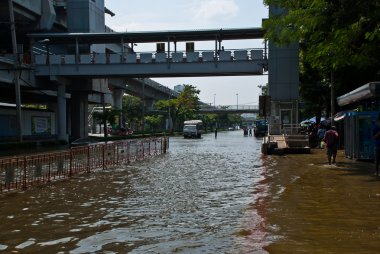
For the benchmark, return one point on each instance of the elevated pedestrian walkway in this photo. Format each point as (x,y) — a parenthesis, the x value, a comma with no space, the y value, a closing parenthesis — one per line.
(161,64)
(165,62)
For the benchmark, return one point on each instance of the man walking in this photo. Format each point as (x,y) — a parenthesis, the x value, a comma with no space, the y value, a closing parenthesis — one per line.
(331,139)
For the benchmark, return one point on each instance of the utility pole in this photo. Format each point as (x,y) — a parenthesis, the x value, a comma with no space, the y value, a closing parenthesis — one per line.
(15,71)
(237,101)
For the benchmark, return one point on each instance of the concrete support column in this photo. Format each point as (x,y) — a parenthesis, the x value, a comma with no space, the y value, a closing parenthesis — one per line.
(117,95)
(79,114)
(61,106)
(283,81)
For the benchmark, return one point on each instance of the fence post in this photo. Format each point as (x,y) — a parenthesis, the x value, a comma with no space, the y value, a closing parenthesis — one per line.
(165,144)
(116,154)
(128,152)
(49,176)
(88,159)
(137,150)
(143,146)
(24,181)
(71,162)
(103,157)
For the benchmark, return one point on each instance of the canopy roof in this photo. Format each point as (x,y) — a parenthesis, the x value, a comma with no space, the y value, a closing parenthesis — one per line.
(367,91)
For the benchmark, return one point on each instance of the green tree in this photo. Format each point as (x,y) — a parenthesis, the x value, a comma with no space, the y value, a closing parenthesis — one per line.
(336,37)
(188,103)
(171,107)
(132,110)
(209,121)
(182,108)
(108,116)
(234,119)
(155,122)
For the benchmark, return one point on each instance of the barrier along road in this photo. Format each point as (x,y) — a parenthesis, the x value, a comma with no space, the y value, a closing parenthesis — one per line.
(22,172)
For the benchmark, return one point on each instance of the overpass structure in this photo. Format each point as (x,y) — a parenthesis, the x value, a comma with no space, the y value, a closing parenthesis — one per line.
(133,68)
(169,63)
(230,109)
(79,61)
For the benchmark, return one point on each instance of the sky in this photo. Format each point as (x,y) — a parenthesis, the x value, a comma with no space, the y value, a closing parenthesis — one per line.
(163,15)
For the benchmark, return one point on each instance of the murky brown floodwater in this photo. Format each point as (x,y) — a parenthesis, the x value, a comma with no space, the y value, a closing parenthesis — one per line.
(205,196)
(320,208)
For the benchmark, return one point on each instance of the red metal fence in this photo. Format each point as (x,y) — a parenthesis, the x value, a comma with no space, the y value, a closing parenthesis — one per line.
(22,172)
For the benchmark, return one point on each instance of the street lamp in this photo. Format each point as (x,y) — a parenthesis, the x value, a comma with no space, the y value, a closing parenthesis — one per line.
(237,101)
(214,99)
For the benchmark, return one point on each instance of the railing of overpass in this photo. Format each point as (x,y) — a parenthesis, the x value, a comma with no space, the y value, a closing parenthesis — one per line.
(25,58)
(230,107)
(152,57)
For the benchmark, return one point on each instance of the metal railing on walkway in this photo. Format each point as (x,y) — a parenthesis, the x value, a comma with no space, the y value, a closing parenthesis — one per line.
(41,58)
(23,172)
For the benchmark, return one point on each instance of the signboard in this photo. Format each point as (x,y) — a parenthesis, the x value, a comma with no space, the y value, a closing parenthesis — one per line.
(41,125)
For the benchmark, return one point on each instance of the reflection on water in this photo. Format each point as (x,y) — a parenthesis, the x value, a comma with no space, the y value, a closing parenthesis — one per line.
(204,196)
(200,197)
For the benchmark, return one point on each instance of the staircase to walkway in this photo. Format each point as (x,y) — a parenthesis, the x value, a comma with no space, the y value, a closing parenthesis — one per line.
(285,144)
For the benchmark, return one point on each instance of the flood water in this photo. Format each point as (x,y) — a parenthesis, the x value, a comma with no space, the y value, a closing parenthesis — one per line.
(204,196)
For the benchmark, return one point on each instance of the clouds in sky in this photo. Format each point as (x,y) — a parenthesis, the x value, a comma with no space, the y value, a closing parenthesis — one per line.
(153,15)
(171,14)
(210,10)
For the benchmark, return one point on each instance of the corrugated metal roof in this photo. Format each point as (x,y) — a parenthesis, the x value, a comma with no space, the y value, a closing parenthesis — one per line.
(369,90)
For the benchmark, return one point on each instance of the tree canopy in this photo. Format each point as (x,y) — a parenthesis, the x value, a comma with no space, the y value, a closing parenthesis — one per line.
(182,108)
(339,37)
(132,108)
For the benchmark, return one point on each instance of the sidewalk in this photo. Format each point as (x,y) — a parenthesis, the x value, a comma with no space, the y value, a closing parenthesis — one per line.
(313,207)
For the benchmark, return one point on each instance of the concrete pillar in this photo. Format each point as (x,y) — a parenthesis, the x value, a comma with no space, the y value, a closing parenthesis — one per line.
(117,95)
(79,114)
(61,108)
(283,81)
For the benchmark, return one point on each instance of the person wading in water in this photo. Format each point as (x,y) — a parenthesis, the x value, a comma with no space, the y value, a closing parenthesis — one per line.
(331,139)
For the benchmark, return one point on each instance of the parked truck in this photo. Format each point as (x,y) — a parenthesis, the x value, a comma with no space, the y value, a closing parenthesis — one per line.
(260,128)
(192,129)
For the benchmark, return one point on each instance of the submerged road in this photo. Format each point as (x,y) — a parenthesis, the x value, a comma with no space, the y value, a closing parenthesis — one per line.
(198,198)
(204,196)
